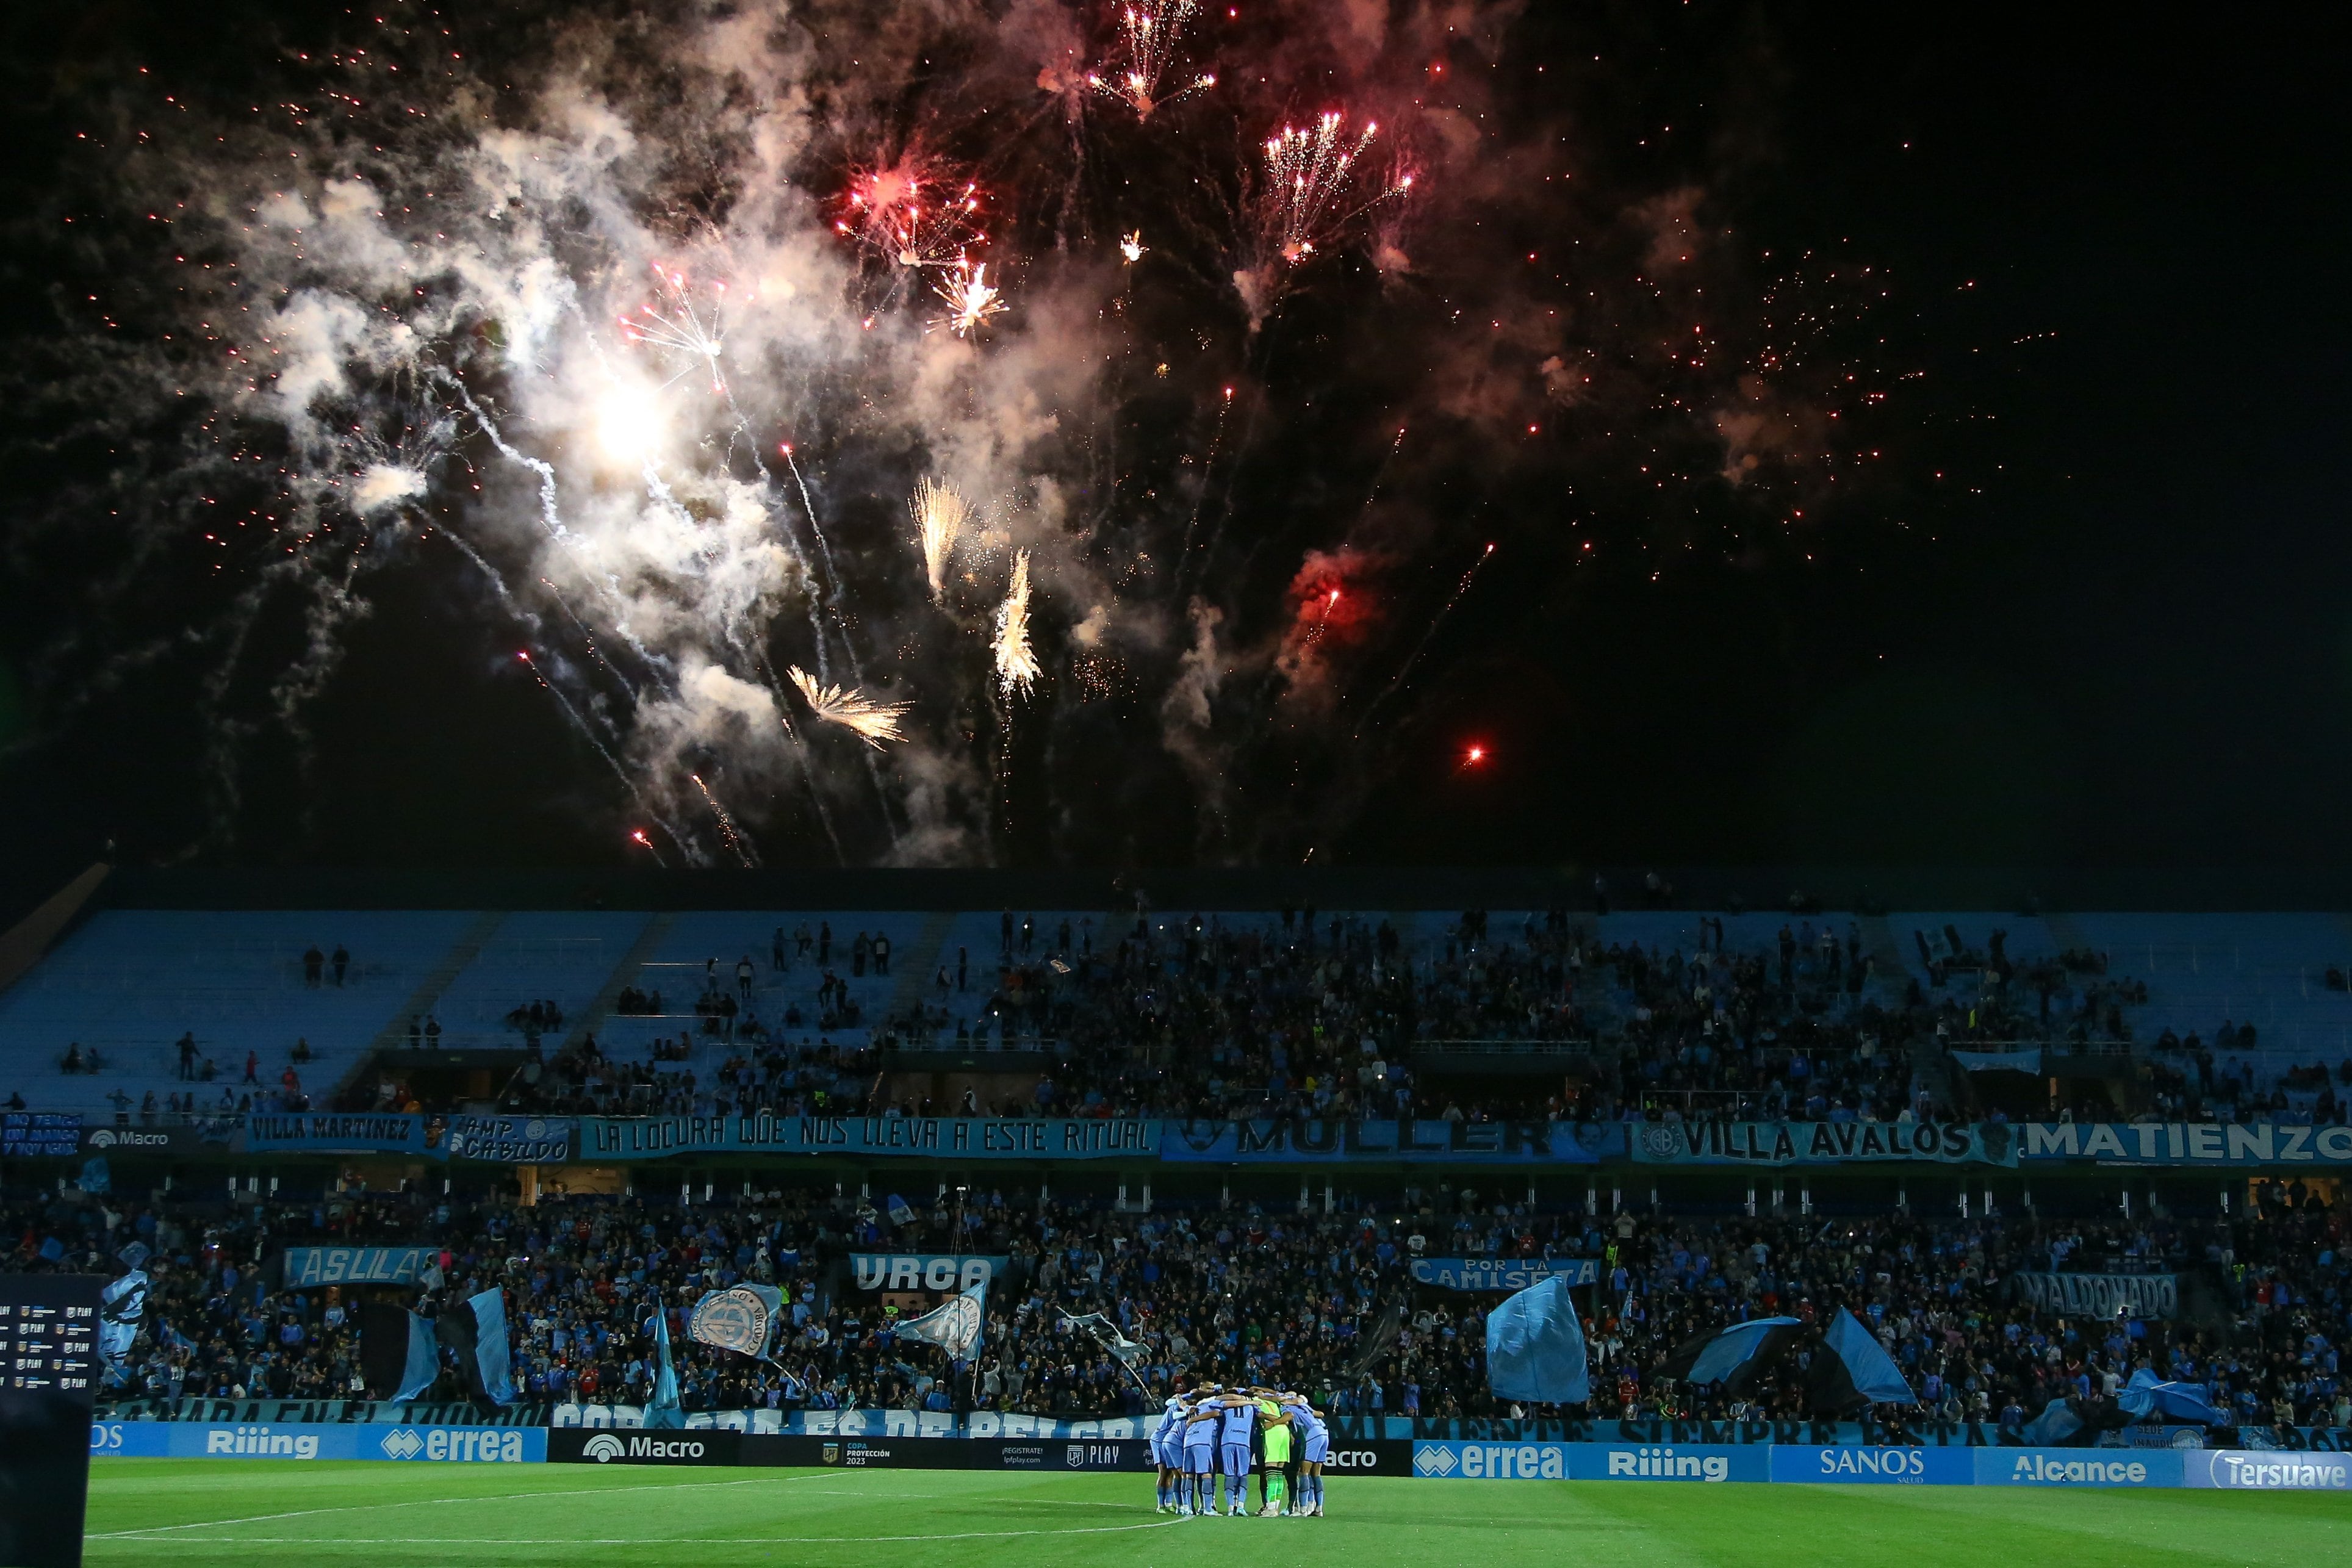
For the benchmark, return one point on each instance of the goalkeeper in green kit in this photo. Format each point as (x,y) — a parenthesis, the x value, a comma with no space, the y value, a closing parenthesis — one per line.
(1274,1430)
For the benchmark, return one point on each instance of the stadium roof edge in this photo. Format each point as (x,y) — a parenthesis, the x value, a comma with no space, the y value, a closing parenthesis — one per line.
(1759,888)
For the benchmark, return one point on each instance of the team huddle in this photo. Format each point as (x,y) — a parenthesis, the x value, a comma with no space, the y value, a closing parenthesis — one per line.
(1216,1432)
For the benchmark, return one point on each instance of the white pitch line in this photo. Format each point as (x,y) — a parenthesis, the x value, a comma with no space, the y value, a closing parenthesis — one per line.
(318,1541)
(447,1502)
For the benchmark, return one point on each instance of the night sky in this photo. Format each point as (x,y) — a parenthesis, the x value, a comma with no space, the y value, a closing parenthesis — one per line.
(2090,611)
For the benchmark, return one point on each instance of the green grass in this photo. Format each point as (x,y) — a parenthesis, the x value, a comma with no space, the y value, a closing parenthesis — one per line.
(198,1511)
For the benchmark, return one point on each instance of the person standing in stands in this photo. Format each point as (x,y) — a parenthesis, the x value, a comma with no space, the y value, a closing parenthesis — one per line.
(824,942)
(253,1067)
(342,961)
(187,1056)
(743,973)
(776,951)
(313,960)
(963,966)
(881,953)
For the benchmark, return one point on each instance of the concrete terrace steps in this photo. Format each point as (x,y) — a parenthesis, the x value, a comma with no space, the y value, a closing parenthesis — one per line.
(649,938)
(394,1036)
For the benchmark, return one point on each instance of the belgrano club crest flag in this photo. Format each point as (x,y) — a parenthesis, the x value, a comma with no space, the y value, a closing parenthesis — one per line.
(953,1325)
(741,1318)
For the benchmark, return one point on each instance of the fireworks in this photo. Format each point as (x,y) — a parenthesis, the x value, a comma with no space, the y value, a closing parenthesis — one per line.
(940,517)
(1141,67)
(970,298)
(728,833)
(1016,661)
(1132,248)
(915,213)
(871,722)
(1310,183)
(680,328)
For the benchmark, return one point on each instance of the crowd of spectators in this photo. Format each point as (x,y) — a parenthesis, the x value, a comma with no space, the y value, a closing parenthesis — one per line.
(1298,1297)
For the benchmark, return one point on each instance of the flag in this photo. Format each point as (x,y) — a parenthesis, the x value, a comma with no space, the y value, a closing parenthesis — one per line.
(476,1330)
(122,1305)
(2144,1398)
(953,1325)
(1853,1369)
(1734,1357)
(900,1214)
(1108,1335)
(1534,1346)
(664,1413)
(397,1352)
(743,1319)
(2056,1423)
(1378,1340)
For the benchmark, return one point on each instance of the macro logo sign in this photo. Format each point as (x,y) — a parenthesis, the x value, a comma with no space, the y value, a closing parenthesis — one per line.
(402,1443)
(1356,1459)
(603,1447)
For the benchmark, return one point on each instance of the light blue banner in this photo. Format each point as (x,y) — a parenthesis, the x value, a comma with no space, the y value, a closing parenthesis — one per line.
(2080,1468)
(1501,1273)
(1503,1461)
(1878,1466)
(1823,1143)
(2237,1469)
(2185,1143)
(924,1271)
(309,1267)
(294,1440)
(1451,1142)
(920,1137)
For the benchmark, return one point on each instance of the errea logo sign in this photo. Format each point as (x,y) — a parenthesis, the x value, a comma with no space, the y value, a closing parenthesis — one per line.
(1491,1461)
(402,1443)
(454,1445)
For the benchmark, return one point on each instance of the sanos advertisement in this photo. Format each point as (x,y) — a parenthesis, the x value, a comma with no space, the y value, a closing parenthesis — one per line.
(2236,1469)
(2078,1467)
(1876,1467)
(290,1440)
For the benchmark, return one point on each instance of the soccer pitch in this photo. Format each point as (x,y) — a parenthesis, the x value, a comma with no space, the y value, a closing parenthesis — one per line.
(261,1513)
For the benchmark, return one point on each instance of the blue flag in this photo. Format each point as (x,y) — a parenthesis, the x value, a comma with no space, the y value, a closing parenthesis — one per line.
(121,1307)
(1733,1356)
(1855,1369)
(1534,1347)
(491,1346)
(422,1364)
(664,1413)
(954,1325)
(2056,1423)
(2144,1398)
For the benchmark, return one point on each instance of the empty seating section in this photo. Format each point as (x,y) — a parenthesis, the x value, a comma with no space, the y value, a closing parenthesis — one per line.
(533,956)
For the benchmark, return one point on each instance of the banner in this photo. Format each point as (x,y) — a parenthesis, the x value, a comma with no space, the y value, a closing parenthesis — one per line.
(1450,1461)
(511,1140)
(2186,1143)
(2101,1295)
(369,1133)
(40,1132)
(1454,1143)
(306,1440)
(934,1137)
(1877,1467)
(1822,1142)
(1501,1273)
(741,1318)
(2234,1469)
(206,1137)
(2079,1467)
(938,1271)
(309,1267)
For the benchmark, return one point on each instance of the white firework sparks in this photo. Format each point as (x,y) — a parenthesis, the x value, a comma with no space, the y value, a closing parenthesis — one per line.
(1139,69)
(1310,180)
(679,327)
(970,299)
(871,722)
(1016,661)
(940,517)
(1132,248)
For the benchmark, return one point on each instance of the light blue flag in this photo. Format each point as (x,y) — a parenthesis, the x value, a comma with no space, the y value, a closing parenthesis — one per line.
(664,1413)
(1868,1367)
(1534,1347)
(490,1345)
(423,1364)
(2056,1423)
(743,1319)
(1729,1349)
(2146,1398)
(122,1308)
(954,1325)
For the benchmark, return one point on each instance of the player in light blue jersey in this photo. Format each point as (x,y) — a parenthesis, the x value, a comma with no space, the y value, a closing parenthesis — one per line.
(1315,1447)
(1236,1421)
(1168,1452)
(1197,1493)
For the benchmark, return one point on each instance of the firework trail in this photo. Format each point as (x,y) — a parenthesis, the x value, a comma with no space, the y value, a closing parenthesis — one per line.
(1131,248)
(1208,467)
(1016,661)
(686,848)
(940,516)
(832,573)
(637,837)
(587,635)
(680,328)
(1419,647)
(871,721)
(971,301)
(727,829)
(1141,66)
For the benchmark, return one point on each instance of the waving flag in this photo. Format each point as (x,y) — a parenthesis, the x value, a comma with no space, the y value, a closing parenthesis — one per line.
(954,1325)
(1853,1369)
(1534,1347)
(1735,1356)
(2144,1398)
(743,1319)
(665,1412)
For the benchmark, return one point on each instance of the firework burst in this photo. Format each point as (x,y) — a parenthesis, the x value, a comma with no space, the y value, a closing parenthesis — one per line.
(917,212)
(1016,661)
(676,325)
(1141,70)
(970,299)
(871,721)
(940,516)
(1311,191)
